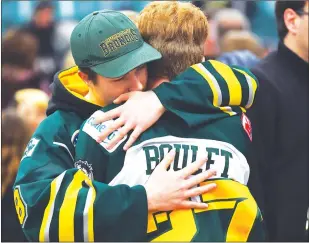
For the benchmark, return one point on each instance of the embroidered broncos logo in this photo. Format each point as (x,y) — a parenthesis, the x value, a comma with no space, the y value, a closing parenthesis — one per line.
(85,167)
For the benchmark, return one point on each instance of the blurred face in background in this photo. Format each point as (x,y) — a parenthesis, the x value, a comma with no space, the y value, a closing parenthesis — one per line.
(44,17)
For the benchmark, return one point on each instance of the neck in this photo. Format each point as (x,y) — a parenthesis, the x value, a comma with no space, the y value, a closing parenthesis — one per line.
(291,43)
(93,98)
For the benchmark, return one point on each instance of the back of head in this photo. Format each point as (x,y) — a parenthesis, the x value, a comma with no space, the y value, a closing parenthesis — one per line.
(230,19)
(176,29)
(15,135)
(19,49)
(280,8)
(241,40)
(43,4)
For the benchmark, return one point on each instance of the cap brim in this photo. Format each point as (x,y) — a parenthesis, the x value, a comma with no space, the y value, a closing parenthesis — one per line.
(126,63)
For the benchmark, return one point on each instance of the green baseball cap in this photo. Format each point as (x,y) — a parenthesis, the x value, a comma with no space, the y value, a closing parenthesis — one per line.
(109,43)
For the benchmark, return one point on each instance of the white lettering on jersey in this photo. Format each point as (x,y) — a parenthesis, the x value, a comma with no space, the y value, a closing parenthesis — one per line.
(141,159)
(94,130)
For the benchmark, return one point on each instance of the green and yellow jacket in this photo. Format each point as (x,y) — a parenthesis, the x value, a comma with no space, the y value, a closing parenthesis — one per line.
(55,200)
(206,114)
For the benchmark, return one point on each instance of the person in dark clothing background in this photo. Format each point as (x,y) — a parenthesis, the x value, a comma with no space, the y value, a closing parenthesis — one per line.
(279,116)
(42,26)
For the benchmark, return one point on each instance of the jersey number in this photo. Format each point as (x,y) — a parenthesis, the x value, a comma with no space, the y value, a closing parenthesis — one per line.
(228,195)
(21,207)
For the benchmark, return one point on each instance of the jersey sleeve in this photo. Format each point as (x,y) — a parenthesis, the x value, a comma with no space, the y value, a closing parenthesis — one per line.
(57,202)
(208,91)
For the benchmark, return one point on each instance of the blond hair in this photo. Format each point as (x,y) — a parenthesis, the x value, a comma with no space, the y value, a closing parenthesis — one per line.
(176,29)
(15,135)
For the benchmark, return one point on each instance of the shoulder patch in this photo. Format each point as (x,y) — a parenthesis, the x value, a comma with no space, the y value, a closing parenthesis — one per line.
(246,125)
(94,130)
(30,147)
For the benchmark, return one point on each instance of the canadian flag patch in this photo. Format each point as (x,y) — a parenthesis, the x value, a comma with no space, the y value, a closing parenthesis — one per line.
(246,125)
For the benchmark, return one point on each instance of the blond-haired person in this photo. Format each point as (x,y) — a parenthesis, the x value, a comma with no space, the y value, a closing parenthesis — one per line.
(15,134)
(221,130)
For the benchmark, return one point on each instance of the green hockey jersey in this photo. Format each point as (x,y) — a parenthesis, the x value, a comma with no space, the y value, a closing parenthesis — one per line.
(221,130)
(55,200)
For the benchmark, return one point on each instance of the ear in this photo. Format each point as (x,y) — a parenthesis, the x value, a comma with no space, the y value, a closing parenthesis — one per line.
(84,77)
(291,21)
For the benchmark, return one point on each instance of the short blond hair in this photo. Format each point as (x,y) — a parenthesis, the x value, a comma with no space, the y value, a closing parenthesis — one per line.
(176,29)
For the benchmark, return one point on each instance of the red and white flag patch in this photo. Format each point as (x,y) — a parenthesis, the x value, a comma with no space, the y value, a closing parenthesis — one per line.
(246,125)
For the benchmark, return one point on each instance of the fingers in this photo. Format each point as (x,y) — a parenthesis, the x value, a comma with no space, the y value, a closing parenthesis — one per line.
(196,191)
(112,127)
(168,159)
(189,170)
(122,98)
(122,132)
(194,180)
(190,204)
(135,134)
(109,115)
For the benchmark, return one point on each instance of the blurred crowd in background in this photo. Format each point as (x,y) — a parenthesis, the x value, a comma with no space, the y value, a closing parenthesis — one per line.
(35,44)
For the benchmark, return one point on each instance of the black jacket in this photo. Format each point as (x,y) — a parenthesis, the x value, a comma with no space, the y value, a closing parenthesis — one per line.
(280,162)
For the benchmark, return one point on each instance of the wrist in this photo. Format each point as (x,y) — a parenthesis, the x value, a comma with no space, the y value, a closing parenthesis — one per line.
(159,107)
(150,200)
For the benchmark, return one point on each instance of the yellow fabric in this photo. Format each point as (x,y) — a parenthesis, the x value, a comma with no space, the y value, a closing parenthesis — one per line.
(231,80)
(230,195)
(215,91)
(74,84)
(67,210)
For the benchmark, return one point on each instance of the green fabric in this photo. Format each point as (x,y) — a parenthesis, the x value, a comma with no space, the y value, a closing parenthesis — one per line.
(48,160)
(190,97)
(54,195)
(110,44)
(210,130)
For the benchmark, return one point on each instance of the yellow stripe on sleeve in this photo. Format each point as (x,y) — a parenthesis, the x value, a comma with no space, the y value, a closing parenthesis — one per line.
(49,210)
(231,80)
(215,88)
(67,210)
(252,86)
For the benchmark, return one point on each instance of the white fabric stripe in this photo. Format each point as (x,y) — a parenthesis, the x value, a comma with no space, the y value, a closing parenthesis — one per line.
(73,136)
(86,209)
(229,109)
(51,212)
(64,146)
(213,79)
(250,98)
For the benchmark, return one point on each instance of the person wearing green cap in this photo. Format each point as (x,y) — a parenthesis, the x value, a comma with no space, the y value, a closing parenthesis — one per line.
(56,198)
(206,104)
